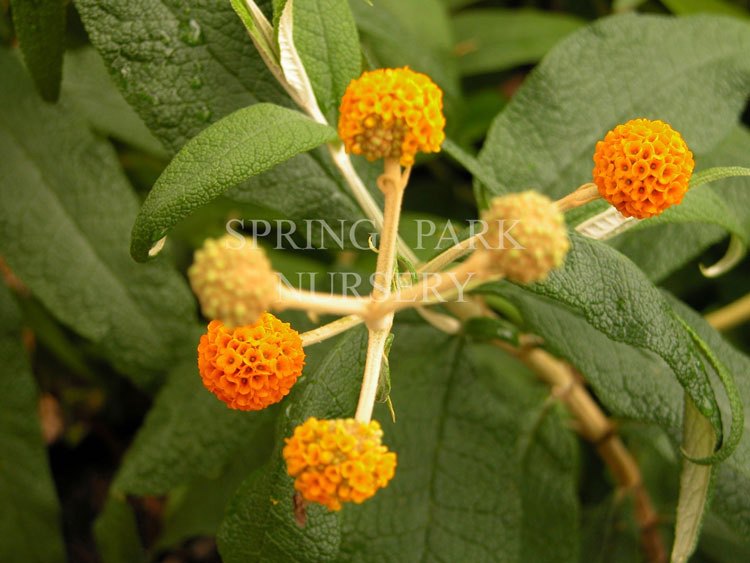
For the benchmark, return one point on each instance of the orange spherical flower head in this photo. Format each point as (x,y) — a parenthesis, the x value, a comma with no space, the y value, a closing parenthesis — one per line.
(526,237)
(337,461)
(233,280)
(250,367)
(642,167)
(392,113)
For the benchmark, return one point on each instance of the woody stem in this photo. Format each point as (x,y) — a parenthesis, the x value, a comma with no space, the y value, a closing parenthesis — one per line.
(392,183)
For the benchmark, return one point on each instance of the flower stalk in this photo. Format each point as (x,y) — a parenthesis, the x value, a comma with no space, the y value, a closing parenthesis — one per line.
(392,183)
(580,196)
(315,302)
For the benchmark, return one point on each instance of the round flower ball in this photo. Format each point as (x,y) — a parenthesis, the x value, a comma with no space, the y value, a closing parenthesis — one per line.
(526,237)
(233,280)
(250,367)
(392,113)
(642,167)
(338,461)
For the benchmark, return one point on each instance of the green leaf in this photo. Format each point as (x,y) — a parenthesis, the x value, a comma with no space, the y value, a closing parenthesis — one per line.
(731,499)
(188,433)
(735,402)
(622,6)
(259,523)
(598,77)
(30,508)
(88,86)
(243,144)
(40,26)
(480,460)
(615,298)
(180,64)
(259,29)
(66,213)
(700,206)
(496,39)
(684,7)
(116,533)
(388,25)
(197,508)
(698,441)
(717,173)
(326,38)
(547,452)
(483,176)
(637,384)
(305,189)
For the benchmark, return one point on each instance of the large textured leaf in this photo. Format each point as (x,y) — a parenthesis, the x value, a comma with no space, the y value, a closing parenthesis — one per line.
(326,38)
(496,39)
(630,381)
(614,297)
(181,64)
(30,509)
(260,523)
(637,384)
(601,76)
(188,433)
(65,217)
(481,460)
(243,144)
(40,26)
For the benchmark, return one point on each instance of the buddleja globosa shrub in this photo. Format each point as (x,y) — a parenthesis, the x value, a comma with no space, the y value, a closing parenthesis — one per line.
(511,376)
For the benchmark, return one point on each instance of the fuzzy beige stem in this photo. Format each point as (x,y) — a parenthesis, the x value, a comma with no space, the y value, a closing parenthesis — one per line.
(330,330)
(314,302)
(363,197)
(392,183)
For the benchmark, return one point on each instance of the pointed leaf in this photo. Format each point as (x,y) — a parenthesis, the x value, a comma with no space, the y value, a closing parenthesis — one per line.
(243,144)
